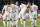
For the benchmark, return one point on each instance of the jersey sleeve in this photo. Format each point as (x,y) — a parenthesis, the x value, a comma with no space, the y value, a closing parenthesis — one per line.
(3,9)
(20,8)
(37,7)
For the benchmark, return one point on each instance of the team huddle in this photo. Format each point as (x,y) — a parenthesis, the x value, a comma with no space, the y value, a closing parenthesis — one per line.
(14,12)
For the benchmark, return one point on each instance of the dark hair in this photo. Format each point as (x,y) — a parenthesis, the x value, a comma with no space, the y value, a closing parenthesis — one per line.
(12,2)
(29,2)
(5,3)
(23,2)
(16,1)
(8,3)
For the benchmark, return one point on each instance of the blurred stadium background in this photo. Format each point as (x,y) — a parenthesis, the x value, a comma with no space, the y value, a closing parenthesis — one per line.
(37,2)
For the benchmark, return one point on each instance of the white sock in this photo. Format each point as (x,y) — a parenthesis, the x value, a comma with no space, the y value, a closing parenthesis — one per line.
(32,23)
(4,23)
(10,23)
(21,21)
(24,24)
(16,23)
(7,23)
(13,23)
(35,22)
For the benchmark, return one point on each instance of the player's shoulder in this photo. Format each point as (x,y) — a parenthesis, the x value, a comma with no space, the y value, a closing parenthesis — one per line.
(20,5)
(5,5)
(11,4)
(36,6)
(25,6)
(30,6)
(15,5)
(33,6)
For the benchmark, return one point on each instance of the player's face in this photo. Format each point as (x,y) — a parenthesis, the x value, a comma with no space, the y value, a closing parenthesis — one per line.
(29,4)
(16,3)
(32,3)
(21,3)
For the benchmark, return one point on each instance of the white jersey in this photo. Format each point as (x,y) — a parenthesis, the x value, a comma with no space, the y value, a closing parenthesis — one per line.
(23,8)
(6,15)
(5,8)
(34,13)
(34,8)
(23,11)
(10,9)
(12,6)
(16,9)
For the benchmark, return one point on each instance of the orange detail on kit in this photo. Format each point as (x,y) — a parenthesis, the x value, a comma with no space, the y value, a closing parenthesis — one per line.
(34,8)
(7,9)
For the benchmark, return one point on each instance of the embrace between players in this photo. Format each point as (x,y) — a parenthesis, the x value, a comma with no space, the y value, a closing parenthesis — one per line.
(15,12)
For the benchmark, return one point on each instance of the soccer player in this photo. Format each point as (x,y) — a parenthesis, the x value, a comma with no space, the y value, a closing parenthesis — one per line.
(17,11)
(20,18)
(14,14)
(6,14)
(22,13)
(33,14)
(11,13)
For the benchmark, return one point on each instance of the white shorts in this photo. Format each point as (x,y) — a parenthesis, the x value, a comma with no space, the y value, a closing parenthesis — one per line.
(13,16)
(17,16)
(33,15)
(6,15)
(23,16)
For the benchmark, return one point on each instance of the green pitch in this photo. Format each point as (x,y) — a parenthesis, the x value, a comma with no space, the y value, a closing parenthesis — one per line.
(28,23)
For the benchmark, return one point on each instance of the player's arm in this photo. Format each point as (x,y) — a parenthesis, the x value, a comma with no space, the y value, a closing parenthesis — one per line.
(37,9)
(19,10)
(26,9)
(2,10)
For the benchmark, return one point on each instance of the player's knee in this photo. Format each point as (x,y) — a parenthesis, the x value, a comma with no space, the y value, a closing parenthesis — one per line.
(31,21)
(35,18)
(15,20)
(24,19)
(3,20)
(19,18)
(7,20)
(10,19)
